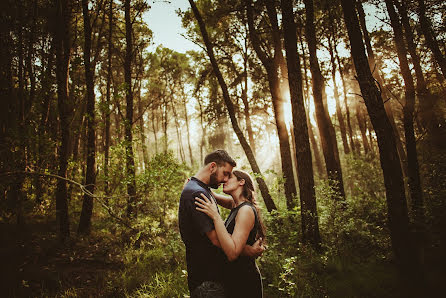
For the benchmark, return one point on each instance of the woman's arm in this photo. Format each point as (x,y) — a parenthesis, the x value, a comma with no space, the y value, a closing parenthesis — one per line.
(234,244)
(224,201)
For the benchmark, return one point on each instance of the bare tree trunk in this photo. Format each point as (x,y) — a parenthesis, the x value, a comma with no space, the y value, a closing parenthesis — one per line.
(429,35)
(429,119)
(155,128)
(129,157)
(310,225)
(249,154)
(63,54)
(314,144)
(347,108)
(272,67)
(326,130)
(393,177)
(142,133)
(339,115)
(108,101)
(376,74)
(186,117)
(360,117)
(90,177)
(416,192)
(246,105)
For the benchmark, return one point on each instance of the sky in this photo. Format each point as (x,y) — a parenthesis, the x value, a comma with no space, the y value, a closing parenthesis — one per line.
(166,25)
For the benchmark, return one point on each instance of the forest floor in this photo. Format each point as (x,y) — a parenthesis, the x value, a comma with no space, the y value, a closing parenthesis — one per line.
(34,263)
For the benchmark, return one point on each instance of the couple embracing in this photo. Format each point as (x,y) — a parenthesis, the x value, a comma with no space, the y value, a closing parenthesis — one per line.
(221,255)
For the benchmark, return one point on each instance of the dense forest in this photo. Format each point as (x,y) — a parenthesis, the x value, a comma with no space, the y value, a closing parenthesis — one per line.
(336,107)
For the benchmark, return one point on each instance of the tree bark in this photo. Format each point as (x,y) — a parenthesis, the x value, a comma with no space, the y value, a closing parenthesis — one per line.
(374,67)
(129,156)
(63,54)
(416,192)
(326,130)
(272,67)
(429,35)
(339,115)
(429,119)
(309,217)
(393,177)
(249,154)
(108,100)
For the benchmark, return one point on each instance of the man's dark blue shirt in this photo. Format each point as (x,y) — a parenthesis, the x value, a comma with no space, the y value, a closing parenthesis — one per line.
(204,260)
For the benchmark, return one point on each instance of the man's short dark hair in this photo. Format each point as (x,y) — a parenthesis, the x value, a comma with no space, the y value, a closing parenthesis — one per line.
(219,156)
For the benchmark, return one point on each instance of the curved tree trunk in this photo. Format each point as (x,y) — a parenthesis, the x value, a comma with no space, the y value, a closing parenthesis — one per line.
(249,154)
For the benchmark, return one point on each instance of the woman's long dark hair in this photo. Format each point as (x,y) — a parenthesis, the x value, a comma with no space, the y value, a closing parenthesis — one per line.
(249,193)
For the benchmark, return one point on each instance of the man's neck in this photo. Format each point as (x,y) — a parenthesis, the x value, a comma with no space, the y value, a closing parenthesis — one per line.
(203,176)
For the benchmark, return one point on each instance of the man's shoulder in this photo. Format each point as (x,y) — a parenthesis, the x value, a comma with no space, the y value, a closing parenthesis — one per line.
(192,188)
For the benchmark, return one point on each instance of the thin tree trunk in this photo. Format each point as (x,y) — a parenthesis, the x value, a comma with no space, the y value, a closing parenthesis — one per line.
(429,35)
(129,156)
(90,177)
(339,115)
(393,177)
(374,67)
(108,100)
(155,130)
(229,105)
(313,142)
(326,130)
(272,66)
(310,225)
(246,105)
(142,132)
(416,192)
(347,108)
(186,117)
(429,119)
(360,117)
(63,54)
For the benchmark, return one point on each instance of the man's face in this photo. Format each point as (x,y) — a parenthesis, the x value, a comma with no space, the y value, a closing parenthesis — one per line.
(220,174)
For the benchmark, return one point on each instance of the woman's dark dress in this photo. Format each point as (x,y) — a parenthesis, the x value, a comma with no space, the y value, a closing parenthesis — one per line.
(242,276)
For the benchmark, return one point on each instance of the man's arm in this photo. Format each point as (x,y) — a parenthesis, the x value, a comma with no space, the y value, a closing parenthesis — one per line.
(254,251)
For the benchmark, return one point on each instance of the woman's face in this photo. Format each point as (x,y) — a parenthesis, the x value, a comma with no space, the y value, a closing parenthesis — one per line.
(231,185)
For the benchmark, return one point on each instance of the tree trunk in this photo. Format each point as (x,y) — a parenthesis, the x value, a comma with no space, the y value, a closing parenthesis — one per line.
(314,144)
(272,66)
(429,119)
(328,139)
(429,35)
(374,67)
(129,157)
(186,117)
(360,117)
(310,226)
(416,192)
(393,177)
(339,115)
(90,177)
(108,101)
(347,108)
(142,132)
(246,106)
(63,53)
(249,154)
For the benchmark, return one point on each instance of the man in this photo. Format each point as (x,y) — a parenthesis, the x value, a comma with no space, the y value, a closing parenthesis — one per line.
(205,260)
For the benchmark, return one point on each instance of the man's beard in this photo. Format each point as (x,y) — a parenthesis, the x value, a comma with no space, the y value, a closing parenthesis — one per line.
(213,182)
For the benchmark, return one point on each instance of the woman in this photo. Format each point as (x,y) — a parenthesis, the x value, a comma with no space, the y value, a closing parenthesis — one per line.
(242,227)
